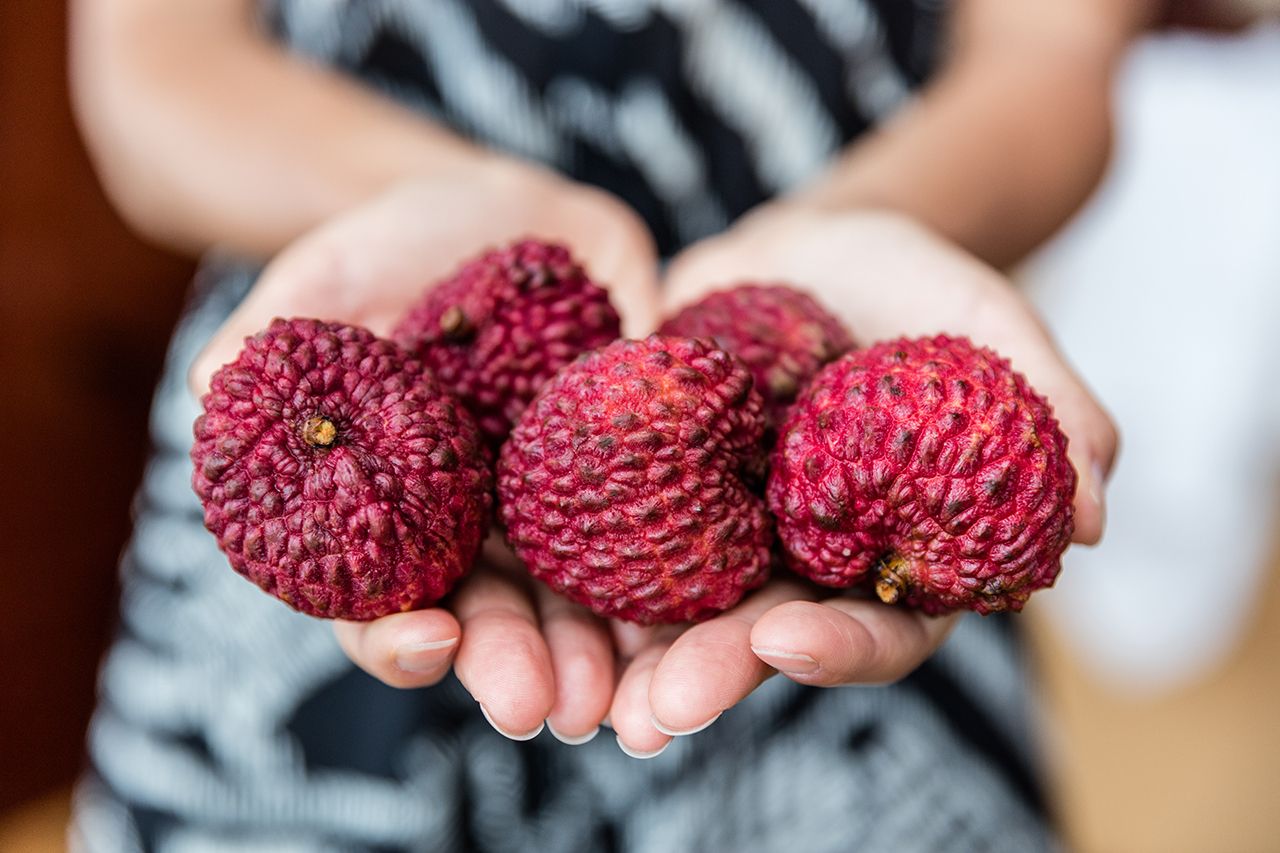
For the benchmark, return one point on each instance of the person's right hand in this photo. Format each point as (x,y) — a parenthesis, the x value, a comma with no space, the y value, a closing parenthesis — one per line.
(524,654)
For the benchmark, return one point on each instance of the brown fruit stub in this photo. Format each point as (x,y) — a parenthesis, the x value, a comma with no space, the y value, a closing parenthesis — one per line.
(454,324)
(319,431)
(890,584)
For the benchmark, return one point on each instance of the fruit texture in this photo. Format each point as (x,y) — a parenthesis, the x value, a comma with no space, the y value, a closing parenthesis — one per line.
(621,484)
(503,324)
(783,336)
(930,469)
(337,475)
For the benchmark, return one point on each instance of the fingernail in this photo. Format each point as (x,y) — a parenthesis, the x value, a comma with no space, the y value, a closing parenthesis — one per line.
(1097,492)
(1096,484)
(682,732)
(511,735)
(424,657)
(790,663)
(635,754)
(573,741)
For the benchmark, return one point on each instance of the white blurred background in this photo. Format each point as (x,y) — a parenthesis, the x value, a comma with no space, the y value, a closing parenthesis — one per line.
(1166,294)
(1160,649)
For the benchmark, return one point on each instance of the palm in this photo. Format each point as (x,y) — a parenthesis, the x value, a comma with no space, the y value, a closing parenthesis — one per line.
(885,277)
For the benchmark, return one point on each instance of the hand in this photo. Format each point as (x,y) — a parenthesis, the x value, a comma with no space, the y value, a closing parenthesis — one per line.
(367,265)
(524,654)
(885,276)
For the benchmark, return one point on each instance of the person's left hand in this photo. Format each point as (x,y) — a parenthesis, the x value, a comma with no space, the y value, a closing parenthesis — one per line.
(885,276)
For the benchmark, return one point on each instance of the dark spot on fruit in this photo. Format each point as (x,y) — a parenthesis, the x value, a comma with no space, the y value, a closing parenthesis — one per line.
(741,394)
(688,376)
(996,486)
(826,517)
(646,439)
(444,458)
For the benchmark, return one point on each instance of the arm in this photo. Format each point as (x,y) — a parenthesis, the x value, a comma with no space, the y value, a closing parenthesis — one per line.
(1013,135)
(206,133)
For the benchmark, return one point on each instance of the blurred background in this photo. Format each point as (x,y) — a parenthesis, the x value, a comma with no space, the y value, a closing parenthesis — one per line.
(1158,654)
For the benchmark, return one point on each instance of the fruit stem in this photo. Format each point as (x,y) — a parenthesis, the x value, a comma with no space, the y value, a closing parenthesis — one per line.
(454,324)
(892,582)
(319,431)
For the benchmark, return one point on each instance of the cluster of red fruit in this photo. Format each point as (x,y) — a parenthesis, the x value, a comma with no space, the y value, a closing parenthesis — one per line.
(649,480)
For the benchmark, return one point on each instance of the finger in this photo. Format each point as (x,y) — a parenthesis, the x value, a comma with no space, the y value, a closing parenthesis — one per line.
(711,667)
(582,661)
(1092,444)
(629,638)
(621,256)
(1092,439)
(502,659)
(629,715)
(411,649)
(846,641)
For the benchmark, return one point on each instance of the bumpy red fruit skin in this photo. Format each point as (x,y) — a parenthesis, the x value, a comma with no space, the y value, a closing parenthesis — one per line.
(783,336)
(336,475)
(929,467)
(501,326)
(620,486)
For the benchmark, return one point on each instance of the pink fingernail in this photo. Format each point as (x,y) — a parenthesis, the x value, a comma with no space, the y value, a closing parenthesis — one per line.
(642,755)
(424,657)
(511,735)
(790,663)
(682,732)
(1096,490)
(571,740)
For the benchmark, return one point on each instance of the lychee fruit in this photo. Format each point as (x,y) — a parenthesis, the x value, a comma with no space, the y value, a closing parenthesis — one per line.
(503,324)
(337,475)
(621,485)
(930,469)
(782,334)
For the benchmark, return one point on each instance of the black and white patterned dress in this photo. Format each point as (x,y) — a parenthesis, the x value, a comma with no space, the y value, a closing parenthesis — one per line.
(228,722)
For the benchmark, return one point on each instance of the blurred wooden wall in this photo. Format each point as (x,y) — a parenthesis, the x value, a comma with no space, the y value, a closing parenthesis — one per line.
(85,310)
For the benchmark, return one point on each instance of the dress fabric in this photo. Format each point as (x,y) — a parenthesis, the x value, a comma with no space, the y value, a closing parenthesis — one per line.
(228,722)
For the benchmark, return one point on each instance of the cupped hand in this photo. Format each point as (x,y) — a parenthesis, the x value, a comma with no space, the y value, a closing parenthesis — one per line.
(367,265)
(525,655)
(886,276)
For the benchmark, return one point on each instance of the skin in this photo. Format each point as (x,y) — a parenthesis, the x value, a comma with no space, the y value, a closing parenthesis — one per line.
(207,134)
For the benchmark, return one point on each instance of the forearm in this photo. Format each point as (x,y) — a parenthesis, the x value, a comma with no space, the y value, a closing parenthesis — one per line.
(205,133)
(1008,142)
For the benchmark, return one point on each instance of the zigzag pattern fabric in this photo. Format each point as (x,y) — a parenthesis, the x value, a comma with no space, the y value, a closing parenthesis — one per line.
(228,723)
